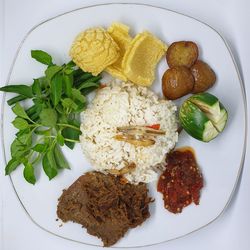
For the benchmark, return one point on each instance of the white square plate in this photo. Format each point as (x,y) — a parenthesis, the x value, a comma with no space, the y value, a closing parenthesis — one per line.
(220,160)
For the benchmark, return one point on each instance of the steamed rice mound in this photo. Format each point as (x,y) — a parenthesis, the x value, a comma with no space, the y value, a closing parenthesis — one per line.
(123,104)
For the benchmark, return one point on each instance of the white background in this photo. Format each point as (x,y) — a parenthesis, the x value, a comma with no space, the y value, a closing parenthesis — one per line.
(231,18)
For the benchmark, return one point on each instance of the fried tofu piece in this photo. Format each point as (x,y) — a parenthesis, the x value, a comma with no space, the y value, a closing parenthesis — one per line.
(120,33)
(141,58)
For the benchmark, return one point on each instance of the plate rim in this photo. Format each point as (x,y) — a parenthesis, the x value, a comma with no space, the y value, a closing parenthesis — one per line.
(243,92)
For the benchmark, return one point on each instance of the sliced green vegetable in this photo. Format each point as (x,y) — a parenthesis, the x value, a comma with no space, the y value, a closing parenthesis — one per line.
(203,116)
(222,120)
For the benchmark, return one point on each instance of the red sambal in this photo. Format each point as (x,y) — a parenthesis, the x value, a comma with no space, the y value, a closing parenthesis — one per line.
(181,182)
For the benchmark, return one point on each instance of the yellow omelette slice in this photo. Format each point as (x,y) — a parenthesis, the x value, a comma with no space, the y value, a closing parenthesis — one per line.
(94,50)
(141,58)
(120,33)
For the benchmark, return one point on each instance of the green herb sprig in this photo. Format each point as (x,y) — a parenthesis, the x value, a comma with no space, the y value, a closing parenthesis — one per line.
(52,121)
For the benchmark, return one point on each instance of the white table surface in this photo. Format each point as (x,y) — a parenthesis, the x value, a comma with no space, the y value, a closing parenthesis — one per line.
(231,18)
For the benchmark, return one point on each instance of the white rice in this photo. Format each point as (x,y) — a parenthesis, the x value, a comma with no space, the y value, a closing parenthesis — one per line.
(123,104)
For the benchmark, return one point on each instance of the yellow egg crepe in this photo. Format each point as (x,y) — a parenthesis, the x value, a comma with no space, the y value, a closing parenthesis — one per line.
(120,33)
(94,50)
(141,58)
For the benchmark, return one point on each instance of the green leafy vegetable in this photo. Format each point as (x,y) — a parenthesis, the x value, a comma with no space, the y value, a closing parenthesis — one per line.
(60,159)
(56,89)
(78,96)
(28,173)
(40,148)
(16,99)
(48,117)
(49,166)
(60,139)
(67,84)
(20,123)
(86,85)
(52,120)
(71,134)
(41,57)
(18,89)
(69,104)
(11,166)
(19,111)
(51,71)
(36,88)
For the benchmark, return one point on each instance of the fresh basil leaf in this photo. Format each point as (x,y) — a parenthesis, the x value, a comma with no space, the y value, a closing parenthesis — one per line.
(60,139)
(60,159)
(20,123)
(69,103)
(25,139)
(88,84)
(40,148)
(59,109)
(41,56)
(36,88)
(18,149)
(21,132)
(11,166)
(51,158)
(19,111)
(56,88)
(70,64)
(44,82)
(18,89)
(23,90)
(88,90)
(38,101)
(81,79)
(29,173)
(45,132)
(48,117)
(52,70)
(81,107)
(49,170)
(68,71)
(67,84)
(70,133)
(78,96)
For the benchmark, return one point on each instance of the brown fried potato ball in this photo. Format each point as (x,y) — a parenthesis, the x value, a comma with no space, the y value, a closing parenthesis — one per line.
(204,76)
(177,82)
(183,53)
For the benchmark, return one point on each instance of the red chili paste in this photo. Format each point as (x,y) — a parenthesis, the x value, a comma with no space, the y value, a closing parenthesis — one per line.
(181,182)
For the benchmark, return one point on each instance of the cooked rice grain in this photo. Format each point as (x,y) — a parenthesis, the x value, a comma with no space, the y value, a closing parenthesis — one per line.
(122,104)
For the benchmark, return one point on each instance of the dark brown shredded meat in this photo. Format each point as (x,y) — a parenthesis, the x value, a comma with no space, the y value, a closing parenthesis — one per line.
(104,206)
